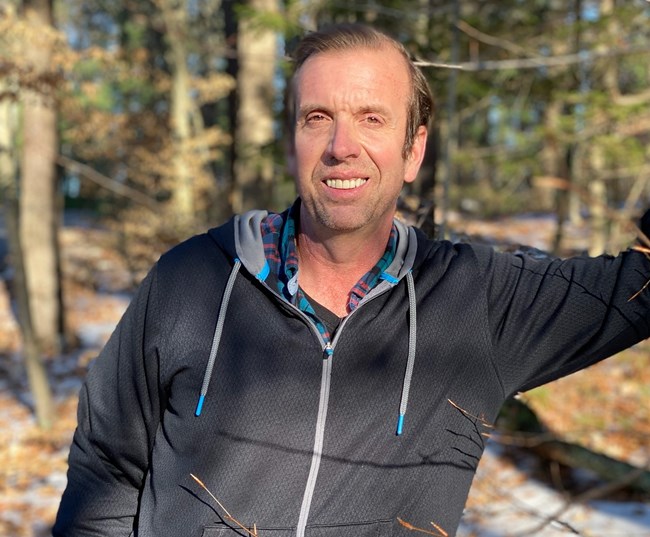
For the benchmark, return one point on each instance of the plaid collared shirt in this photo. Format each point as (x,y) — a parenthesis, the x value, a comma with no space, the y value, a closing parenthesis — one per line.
(279,238)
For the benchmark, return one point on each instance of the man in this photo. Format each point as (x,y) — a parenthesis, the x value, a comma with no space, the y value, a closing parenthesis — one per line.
(328,371)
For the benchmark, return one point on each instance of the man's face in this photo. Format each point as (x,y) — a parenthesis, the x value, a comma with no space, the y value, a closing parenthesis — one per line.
(351,111)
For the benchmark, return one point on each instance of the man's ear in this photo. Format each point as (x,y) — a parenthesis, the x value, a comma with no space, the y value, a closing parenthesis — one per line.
(416,155)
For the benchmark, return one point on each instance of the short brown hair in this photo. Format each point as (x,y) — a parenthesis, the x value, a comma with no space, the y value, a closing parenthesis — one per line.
(348,36)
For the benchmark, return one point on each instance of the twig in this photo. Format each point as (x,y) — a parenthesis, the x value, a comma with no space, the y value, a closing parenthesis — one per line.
(491,40)
(645,286)
(108,183)
(539,61)
(228,516)
(438,533)
(483,421)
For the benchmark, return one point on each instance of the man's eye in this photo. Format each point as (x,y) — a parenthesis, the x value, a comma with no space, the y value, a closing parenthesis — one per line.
(314,118)
(374,120)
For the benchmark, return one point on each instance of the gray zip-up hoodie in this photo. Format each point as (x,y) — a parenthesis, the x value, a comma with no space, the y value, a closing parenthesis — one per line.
(210,372)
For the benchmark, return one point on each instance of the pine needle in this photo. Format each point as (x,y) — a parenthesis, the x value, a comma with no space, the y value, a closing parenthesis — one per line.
(483,421)
(211,495)
(439,531)
(227,516)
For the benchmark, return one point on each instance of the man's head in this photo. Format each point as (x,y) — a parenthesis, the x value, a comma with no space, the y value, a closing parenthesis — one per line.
(360,112)
(344,37)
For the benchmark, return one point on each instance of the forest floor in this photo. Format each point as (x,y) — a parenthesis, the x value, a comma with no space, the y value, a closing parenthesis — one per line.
(606,408)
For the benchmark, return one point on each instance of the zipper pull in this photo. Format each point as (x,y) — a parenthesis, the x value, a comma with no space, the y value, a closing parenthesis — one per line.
(328,351)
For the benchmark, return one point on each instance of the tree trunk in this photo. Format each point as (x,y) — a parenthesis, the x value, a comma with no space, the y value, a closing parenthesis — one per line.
(575,172)
(175,17)
(597,188)
(452,135)
(253,165)
(598,211)
(8,135)
(36,372)
(554,164)
(37,206)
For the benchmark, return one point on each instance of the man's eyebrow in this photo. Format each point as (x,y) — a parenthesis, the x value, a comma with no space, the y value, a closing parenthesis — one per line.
(379,109)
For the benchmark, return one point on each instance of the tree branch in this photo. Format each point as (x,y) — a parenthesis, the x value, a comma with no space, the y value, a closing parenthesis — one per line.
(538,61)
(107,183)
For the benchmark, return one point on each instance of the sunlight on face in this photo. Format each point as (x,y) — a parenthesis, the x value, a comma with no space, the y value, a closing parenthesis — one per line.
(350,132)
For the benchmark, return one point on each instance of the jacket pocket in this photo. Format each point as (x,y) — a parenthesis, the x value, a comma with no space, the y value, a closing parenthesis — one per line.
(221,531)
(379,528)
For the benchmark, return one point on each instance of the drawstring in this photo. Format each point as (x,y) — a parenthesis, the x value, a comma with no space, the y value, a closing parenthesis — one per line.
(410,363)
(217,335)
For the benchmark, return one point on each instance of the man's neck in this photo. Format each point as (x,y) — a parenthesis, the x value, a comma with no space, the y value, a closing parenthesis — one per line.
(332,264)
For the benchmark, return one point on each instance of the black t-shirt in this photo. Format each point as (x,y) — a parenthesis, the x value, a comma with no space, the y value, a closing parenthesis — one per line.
(329,319)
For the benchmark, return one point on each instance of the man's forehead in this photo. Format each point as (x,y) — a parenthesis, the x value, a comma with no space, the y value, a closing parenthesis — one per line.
(385,59)
(353,51)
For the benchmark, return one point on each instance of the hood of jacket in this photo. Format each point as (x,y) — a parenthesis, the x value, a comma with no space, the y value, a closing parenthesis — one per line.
(243,241)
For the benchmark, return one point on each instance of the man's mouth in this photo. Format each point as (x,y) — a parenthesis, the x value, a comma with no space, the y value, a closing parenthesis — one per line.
(345,184)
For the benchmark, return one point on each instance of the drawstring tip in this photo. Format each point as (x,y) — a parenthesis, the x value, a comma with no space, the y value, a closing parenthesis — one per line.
(199,406)
(400,425)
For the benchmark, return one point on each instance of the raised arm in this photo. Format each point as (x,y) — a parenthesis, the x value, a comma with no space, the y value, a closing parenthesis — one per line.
(550,318)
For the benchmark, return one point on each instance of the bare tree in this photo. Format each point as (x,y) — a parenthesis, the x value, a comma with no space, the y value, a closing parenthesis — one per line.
(255,93)
(174,14)
(34,241)
(192,145)
(38,215)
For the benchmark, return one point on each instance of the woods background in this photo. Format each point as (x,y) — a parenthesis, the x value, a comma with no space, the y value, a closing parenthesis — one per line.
(160,118)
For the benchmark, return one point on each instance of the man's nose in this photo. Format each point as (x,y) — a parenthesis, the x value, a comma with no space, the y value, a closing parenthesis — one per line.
(344,141)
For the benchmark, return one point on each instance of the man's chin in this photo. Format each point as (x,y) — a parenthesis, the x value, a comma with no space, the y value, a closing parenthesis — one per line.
(343,221)
(340,219)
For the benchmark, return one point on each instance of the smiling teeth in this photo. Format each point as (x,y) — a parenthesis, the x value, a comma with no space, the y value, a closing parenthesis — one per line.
(345,184)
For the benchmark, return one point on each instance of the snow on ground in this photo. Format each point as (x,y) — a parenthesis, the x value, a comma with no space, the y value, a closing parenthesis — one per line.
(506,501)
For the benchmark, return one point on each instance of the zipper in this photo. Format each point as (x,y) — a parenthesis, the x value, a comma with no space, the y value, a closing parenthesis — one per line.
(319,437)
(328,347)
(323,402)
(323,405)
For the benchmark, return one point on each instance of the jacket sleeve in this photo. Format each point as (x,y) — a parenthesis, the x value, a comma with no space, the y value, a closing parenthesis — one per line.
(552,317)
(118,414)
